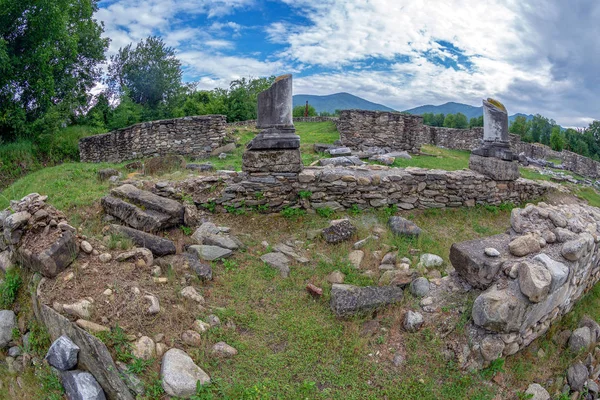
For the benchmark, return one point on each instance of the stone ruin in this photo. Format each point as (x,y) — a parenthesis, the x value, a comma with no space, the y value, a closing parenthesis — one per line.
(494,158)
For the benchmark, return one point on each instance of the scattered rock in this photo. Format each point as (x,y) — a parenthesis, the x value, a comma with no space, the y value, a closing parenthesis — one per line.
(191,338)
(356,257)
(537,392)
(210,253)
(348,300)
(179,374)
(190,293)
(419,287)
(200,326)
(431,260)
(492,348)
(86,247)
(580,339)
(52,260)
(402,226)
(105,258)
(314,290)
(534,281)
(154,304)
(222,349)
(523,245)
(213,320)
(278,261)
(82,309)
(577,375)
(396,278)
(144,348)
(91,327)
(8,322)
(131,380)
(138,253)
(491,252)
(594,327)
(105,174)
(338,231)
(336,277)
(62,354)
(157,245)
(80,385)
(413,321)
(228,148)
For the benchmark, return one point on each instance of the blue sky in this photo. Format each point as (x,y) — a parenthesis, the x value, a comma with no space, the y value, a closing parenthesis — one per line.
(537,56)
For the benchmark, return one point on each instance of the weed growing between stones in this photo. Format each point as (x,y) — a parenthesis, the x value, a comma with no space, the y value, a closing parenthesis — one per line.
(9,288)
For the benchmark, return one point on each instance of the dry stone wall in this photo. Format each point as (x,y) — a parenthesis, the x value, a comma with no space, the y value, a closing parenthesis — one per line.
(546,262)
(449,138)
(365,187)
(193,136)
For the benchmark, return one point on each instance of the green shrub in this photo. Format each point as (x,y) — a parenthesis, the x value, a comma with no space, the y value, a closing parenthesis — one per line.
(304,194)
(325,212)
(10,288)
(354,210)
(292,213)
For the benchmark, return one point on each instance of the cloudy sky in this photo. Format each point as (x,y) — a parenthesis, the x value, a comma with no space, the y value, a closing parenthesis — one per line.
(537,56)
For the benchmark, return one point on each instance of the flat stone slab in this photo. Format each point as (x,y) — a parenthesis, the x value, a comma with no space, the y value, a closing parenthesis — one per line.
(473,265)
(278,261)
(52,260)
(210,253)
(341,161)
(348,300)
(150,201)
(135,217)
(157,245)
(495,168)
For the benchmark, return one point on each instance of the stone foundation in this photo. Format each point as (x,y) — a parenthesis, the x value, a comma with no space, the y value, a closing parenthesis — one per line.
(266,161)
(495,168)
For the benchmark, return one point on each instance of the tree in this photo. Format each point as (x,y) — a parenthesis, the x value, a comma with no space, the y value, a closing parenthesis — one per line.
(557,142)
(242,97)
(438,119)
(298,111)
(541,128)
(125,114)
(519,126)
(476,122)
(49,56)
(150,72)
(449,121)
(460,121)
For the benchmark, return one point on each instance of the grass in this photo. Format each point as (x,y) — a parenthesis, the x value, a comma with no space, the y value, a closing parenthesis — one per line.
(10,288)
(589,194)
(438,158)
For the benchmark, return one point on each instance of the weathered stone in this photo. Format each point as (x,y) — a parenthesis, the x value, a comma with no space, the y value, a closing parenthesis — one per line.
(347,300)
(16,220)
(314,290)
(189,292)
(419,287)
(81,385)
(537,392)
(228,148)
(402,226)
(105,174)
(5,260)
(81,309)
(492,348)
(558,271)
(133,382)
(577,375)
(338,231)
(356,257)
(473,266)
(498,170)
(8,322)
(144,348)
(52,260)
(210,253)
(277,261)
(580,339)
(431,260)
(594,327)
(86,247)
(413,321)
(282,161)
(62,354)
(220,241)
(207,228)
(200,326)
(222,349)
(191,338)
(154,307)
(336,277)
(523,245)
(491,252)
(498,310)
(157,245)
(574,249)
(136,254)
(341,161)
(91,327)
(179,374)
(534,281)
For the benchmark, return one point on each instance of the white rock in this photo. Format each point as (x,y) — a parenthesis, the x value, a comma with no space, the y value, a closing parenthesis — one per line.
(180,374)
(82,309)
(86,247)
(144,348)
(356,257)
(154,304)
(105,257)
(431,260)
(491,252)
(191,293)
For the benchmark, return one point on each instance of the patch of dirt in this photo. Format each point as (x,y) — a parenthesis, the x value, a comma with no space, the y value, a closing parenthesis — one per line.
(38,242)
(556,198)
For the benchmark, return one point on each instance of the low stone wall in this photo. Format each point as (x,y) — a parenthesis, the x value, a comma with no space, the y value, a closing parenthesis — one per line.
(449,138)
(193,136)
(361,129)
(252,122)
(546,262)
(573,162)
(364,187)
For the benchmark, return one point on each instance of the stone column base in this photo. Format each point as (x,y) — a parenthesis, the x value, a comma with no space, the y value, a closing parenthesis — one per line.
(498,170)
(272,161)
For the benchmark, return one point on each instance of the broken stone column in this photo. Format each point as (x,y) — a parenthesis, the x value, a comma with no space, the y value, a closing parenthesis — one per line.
(494,158)
(277,147)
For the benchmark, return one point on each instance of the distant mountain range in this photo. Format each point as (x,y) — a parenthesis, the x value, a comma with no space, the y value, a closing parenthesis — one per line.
(338,101)
(347,101)
(453,108)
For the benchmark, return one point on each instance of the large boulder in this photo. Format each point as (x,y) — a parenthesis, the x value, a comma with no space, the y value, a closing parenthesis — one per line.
(347,300)
(473,265)
(51,260)
(580,339)
(402,226)
(577,375)
(157,245)
(81,385)
(180,374)
(8,321)
(62,354)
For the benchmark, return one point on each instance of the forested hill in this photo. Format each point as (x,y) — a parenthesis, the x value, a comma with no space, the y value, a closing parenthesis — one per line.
(337,101)
(454,108)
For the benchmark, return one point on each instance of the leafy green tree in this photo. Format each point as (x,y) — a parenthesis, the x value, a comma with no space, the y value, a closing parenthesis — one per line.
(99,114)
(449,121)
(460,121)
(49,56)
(298,111)
(438,120)
(557,141)
(125,114)
(241,99)
(541,128)
(519,126)
(476,122)
(150,72)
